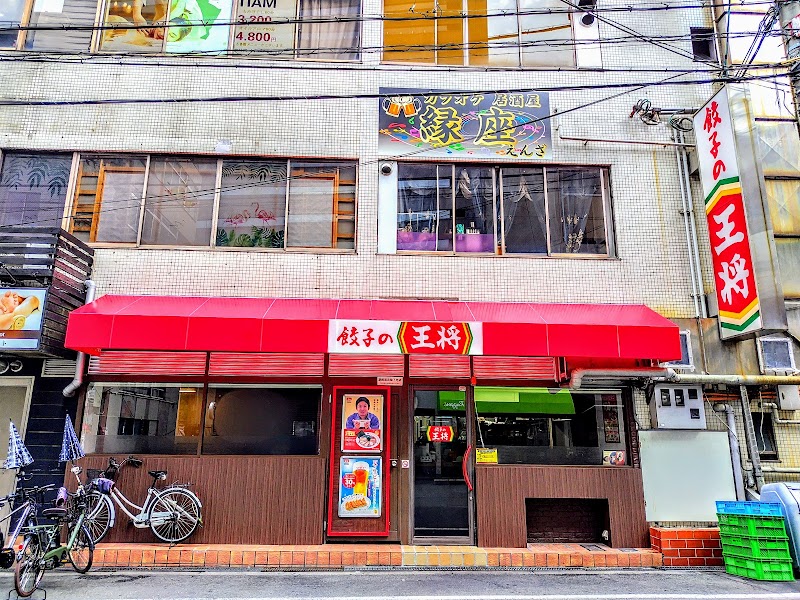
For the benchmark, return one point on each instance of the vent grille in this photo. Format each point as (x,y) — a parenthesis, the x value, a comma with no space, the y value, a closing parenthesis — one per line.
(448,367)
(57,367)
(541,368)
(266,365)
(148,363)
(345,365)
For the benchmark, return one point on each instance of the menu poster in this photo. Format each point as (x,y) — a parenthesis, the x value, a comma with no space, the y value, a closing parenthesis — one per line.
(362,423)
(611,419)
(360,486)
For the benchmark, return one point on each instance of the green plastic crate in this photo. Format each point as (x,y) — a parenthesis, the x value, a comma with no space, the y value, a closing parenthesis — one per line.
(763,570)
(763,527)
(755,547)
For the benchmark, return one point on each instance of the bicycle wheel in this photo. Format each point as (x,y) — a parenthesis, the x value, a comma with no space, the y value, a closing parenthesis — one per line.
(174,515)
(28,571)
(82,551)
(99,515)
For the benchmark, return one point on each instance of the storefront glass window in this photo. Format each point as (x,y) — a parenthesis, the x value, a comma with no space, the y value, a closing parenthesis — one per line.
(33,189)
(179,202)
(321,206)
(329,29)
(262,420)
(10,16)
(503,210)
(252,204)
(108,198)
(142,418)
(506,33)
(550,427)
(71,23)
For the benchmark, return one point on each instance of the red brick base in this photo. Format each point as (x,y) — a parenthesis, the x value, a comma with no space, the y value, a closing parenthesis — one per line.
(686,547)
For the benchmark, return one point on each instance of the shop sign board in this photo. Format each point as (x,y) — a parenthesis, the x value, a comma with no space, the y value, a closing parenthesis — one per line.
(486,456)
(440,433)
(404,337)
(362,423)
(467,125)
(360,486)
(21,318)
(391,381)
(265,25)
(734,272)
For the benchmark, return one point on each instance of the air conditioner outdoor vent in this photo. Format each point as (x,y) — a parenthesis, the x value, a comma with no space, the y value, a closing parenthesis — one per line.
(775,355)
(56,367)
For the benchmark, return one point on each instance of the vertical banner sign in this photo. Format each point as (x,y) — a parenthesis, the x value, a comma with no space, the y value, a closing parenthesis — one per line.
(255,30)
(362,423)
(360,486)
(734,277)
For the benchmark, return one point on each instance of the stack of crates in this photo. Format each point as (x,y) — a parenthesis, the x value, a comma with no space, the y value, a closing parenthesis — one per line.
(754,540)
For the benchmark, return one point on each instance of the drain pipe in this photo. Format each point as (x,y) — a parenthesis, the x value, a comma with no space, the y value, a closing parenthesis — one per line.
(685,211)
(750,437)
(674,377)
(776,418)
(736,455)
(577,376)
(80,362)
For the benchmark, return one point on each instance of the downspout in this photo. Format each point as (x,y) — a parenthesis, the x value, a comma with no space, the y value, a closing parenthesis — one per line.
(750,437)
(80,362)
(689,246)
(736,454)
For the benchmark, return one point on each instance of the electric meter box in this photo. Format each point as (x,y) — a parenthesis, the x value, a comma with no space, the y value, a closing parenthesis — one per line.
(677,407)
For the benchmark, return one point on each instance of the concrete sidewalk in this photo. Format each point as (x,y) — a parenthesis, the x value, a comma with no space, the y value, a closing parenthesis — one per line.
(340,556)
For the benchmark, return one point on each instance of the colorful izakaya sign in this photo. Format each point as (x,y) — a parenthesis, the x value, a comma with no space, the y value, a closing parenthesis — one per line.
(402,337)
(440,433)
(734,276)
(465,124)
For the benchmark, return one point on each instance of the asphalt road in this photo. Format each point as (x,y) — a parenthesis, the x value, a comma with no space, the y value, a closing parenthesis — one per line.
(628,584)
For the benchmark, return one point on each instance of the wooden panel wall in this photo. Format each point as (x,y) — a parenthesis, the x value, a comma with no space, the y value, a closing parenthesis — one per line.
(501,491)
(246,499)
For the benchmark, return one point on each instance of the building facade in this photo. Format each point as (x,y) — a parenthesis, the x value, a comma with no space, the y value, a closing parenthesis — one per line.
(487,221)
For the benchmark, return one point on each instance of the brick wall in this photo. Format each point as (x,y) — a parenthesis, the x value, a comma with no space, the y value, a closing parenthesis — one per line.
(685,547)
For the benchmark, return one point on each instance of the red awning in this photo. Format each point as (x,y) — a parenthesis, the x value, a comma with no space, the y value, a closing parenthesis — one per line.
(301,325)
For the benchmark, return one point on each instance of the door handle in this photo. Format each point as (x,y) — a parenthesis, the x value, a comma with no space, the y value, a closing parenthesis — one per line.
(464,469)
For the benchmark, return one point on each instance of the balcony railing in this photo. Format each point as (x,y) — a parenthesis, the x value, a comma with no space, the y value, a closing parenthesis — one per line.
(51,258)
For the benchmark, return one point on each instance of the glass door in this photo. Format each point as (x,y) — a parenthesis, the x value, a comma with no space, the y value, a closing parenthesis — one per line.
(442,448)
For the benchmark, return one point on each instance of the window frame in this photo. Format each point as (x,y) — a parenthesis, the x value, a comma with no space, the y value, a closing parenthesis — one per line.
(27,14)
(102,15)
(349,163)
(498,210)
(679,364)
(765,426)
(767,369)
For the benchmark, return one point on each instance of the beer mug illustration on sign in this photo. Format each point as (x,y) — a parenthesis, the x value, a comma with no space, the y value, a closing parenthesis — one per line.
(395,105)
(361,473)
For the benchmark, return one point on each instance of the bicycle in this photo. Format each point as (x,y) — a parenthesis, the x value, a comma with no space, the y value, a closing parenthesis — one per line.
(25,502)
(41,549)
(172,514)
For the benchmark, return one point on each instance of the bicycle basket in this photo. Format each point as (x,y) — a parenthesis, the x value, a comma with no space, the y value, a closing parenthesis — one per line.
(103,485)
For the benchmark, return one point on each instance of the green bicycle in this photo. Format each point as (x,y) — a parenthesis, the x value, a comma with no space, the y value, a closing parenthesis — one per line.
(41,549)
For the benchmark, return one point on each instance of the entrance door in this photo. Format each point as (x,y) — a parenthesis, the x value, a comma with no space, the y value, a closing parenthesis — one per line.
(442,436)
(15,398)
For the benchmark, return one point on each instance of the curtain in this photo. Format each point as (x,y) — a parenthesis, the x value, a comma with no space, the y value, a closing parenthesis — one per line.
(33,189)
(571,193)
(524,214)
(330,40)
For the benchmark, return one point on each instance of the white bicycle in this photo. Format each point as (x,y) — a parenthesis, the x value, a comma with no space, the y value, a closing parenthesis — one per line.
(173,513)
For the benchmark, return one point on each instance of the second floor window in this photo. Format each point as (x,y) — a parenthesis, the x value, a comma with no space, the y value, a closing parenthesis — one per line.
(193,201)
(507,33)
(33,188)
(503,210)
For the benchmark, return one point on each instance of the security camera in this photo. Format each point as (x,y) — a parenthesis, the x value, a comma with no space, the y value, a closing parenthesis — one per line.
(15,366)
(386,169)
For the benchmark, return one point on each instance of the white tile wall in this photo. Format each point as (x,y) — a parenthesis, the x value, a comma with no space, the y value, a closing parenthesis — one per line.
(652,267)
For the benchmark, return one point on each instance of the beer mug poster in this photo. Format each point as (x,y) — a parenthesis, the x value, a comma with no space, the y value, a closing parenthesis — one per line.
(360,486)
(362,423)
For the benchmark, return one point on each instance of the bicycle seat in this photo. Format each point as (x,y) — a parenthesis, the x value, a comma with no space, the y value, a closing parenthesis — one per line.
(54,513)
(157,474)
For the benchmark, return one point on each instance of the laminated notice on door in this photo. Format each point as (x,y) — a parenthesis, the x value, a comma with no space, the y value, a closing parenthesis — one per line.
(486,455)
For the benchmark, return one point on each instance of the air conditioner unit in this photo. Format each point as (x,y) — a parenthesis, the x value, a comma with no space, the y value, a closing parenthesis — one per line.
(775,355)
(677,407)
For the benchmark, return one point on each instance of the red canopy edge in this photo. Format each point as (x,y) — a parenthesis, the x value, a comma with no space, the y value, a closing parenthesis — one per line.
(185,323)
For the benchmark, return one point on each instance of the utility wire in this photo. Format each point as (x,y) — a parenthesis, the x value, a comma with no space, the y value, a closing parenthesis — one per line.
(154,199)
(306,97)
